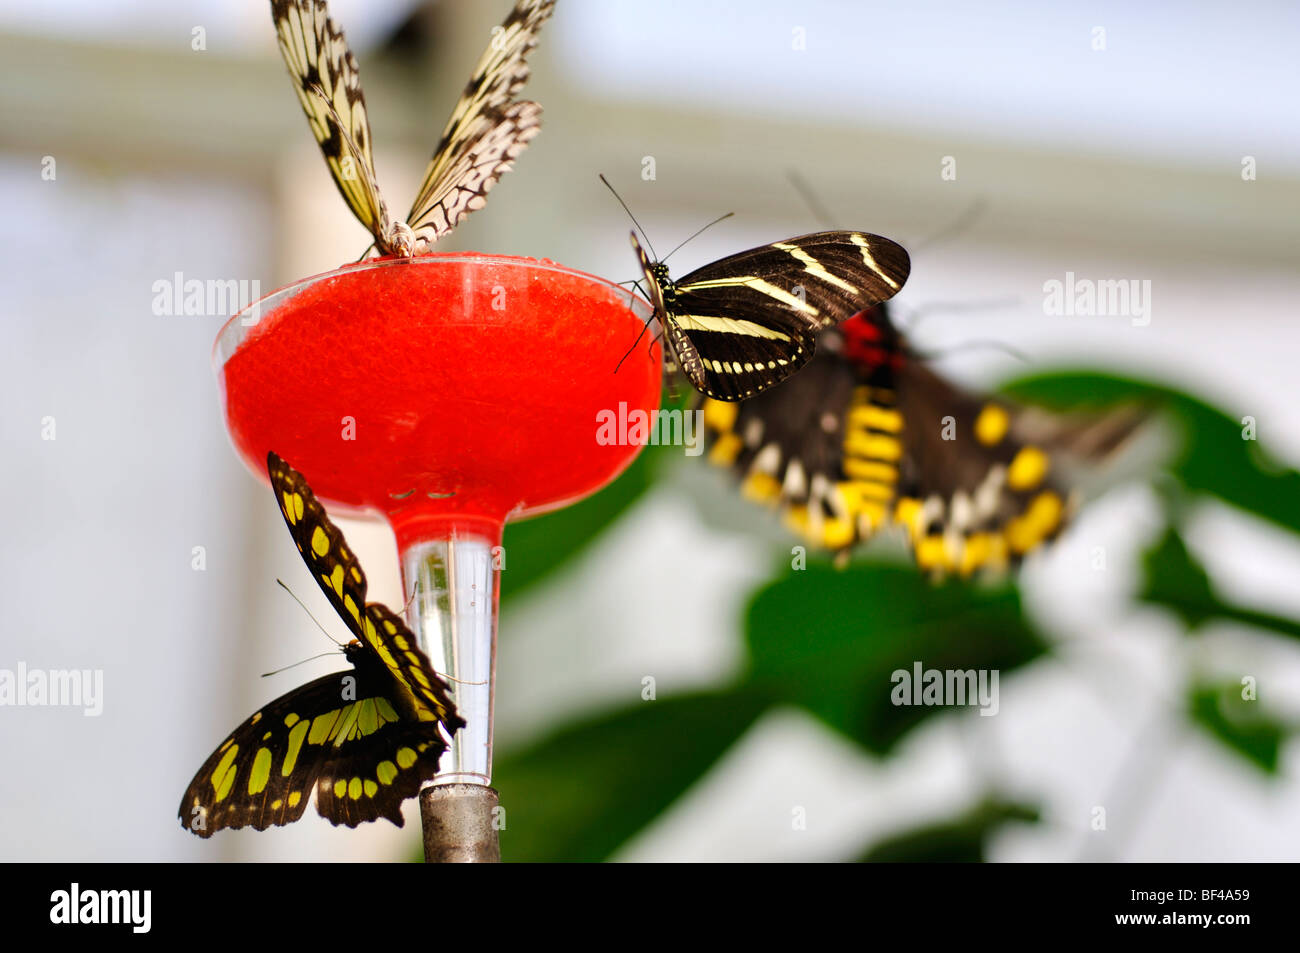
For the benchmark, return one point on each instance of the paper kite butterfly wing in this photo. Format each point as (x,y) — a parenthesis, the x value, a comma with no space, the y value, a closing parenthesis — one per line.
(487,129)
(747,322)
(338,572)
(328,83)
(341,736)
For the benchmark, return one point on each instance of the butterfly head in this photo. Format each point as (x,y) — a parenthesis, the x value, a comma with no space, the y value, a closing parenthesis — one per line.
(399,240)
(353,651)
(656,274)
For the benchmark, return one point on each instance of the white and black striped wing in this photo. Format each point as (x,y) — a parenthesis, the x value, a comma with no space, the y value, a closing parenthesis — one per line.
(746,322)
(328,84)
(486,131)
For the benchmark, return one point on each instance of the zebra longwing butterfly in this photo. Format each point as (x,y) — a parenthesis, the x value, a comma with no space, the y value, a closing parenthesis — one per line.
(486,132)
(867,437)
(748,321)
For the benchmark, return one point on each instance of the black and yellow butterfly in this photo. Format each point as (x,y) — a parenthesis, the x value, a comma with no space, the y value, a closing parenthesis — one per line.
(868,437)
(747,322)
(486,132)
(365,740)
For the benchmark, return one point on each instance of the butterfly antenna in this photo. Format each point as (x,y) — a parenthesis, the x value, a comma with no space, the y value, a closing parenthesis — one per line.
(280,582)
(460,681)
(292,664)
(911,318)
(631,216)
(347,136)
(972,345)
(963,220)
(805,191)
(697,234)
(338,120)
(644,327)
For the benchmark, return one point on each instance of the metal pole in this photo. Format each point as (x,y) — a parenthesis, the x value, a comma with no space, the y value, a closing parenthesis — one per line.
(453,614)
(459,824)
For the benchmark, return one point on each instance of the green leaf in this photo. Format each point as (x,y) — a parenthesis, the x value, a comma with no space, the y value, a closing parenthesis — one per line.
(537,547)
(830,640)
(1174,580)
(582,792)
(962,839)
(1238,723)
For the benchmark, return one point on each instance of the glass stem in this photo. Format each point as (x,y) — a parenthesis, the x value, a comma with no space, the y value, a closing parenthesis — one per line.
(453,612)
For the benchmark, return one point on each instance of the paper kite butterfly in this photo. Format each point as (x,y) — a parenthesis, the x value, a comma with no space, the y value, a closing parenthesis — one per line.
(487,130)
(748,321)
(867,437)
(365,740)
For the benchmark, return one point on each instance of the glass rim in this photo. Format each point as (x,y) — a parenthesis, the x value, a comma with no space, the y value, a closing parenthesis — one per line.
(234,331)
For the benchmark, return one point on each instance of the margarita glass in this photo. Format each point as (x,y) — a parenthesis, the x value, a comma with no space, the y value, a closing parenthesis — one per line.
(446,393)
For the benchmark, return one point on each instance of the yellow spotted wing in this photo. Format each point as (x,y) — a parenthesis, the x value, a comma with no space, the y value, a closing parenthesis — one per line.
(363,740)
(335,568)
(342,736)
(868,437)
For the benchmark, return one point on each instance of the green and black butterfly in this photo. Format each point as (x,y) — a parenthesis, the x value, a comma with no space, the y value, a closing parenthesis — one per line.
(747,322)
(868,437)
(365,740)
(487,130)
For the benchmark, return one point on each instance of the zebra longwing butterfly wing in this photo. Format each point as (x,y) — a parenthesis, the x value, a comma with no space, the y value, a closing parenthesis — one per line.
(868,437)
(487,129)
(748,321)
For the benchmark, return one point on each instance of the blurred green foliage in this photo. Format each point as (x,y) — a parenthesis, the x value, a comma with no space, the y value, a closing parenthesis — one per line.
(825,641)
(962,839)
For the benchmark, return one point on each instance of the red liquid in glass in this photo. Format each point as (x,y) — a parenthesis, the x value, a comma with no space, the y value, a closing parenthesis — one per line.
(449,395)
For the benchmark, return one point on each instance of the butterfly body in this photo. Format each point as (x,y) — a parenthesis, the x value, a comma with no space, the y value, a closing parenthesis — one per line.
(362,740)
(749,321)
